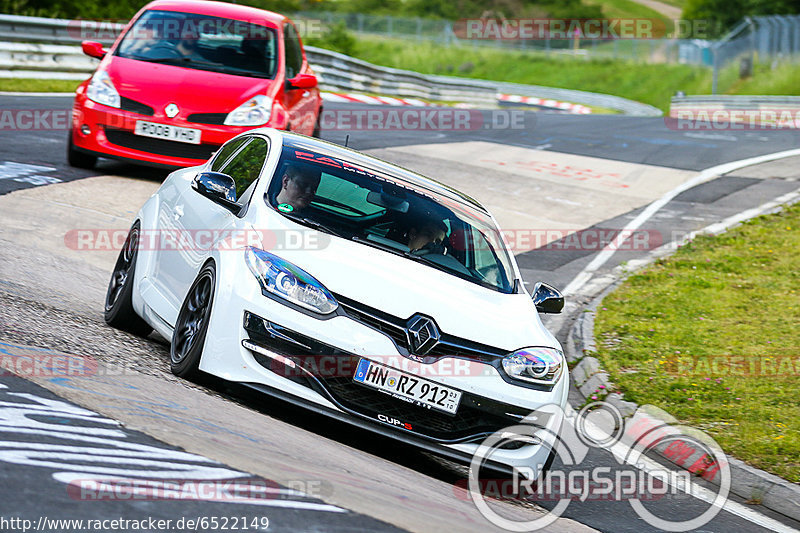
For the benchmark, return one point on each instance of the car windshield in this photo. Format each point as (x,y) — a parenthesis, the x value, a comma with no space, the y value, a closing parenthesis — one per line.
(202,42)
(360,204)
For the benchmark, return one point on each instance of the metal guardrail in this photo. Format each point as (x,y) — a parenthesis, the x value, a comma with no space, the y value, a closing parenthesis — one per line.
(608,101)
(54,31)
(341,72)
(711,103)
(29,52)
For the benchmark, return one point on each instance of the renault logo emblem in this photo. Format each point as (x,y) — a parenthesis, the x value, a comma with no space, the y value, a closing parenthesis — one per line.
(171,110)
(422,334)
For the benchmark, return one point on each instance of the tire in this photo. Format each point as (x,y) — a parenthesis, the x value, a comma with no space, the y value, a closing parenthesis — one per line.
(79,159)
(189,335)
(119,311)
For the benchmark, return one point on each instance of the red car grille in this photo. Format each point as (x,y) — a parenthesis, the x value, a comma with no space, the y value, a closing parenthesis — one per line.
(127,139)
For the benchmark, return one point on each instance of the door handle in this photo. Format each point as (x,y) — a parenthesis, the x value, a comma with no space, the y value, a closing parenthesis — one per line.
(178,212)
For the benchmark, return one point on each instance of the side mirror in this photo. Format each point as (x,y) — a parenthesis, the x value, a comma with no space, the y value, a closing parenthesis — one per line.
(547,298)
(302,81)
(217,187)
(93,49)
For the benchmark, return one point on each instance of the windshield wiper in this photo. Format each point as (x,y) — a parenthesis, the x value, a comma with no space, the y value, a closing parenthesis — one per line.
(154,59)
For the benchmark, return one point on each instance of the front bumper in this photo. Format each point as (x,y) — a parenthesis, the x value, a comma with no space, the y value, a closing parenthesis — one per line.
(262,343)
(112,135)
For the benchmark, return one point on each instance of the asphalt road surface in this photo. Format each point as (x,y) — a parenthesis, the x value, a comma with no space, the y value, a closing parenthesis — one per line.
(551,171)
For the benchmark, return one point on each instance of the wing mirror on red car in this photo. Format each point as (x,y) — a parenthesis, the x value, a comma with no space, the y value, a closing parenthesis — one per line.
(302,81)
(93,49)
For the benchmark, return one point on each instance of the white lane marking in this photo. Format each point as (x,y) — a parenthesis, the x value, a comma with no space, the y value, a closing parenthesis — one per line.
(112,456)
(38,95)
(719,227)
(713,136)
(562,200)
(644,463)
(712,229)
(25,173)
(706,175)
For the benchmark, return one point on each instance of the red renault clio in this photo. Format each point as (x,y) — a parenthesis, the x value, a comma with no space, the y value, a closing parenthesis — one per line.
(185,76)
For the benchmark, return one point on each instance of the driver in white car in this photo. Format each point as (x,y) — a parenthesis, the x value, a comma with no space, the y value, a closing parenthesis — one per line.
(298,187)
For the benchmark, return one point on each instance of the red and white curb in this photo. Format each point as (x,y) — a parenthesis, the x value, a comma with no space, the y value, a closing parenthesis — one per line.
(355,98)
(544,102)
(371,100)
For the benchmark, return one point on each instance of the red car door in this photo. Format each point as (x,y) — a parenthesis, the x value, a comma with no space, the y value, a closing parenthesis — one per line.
(300,103)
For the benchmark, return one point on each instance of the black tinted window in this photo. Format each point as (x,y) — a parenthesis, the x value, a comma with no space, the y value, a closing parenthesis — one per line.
(294,53)
(202,42)
(226,152)
(245,167)
(354,202)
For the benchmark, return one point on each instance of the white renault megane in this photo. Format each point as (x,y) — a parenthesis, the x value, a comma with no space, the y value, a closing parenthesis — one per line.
(343,283)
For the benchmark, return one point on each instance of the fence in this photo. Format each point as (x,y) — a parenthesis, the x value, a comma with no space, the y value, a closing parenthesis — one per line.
(754,39)
(771,36)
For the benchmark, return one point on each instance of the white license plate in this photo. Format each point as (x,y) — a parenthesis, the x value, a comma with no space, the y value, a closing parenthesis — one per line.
(407,387)
(165,131)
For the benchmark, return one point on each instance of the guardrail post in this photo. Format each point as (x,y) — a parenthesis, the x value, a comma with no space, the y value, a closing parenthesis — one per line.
(715,68)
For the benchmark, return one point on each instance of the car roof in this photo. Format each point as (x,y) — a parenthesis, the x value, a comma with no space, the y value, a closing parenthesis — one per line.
(220,9)
(392,171)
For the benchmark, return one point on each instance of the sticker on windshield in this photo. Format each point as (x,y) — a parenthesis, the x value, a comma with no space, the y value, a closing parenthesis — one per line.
(286,208)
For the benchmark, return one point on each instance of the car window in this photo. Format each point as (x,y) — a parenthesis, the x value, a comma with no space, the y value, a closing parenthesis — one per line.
(226,152)
(202,42)
(344,197)
(293,50)
(354,202)
(246,165)
(484,258)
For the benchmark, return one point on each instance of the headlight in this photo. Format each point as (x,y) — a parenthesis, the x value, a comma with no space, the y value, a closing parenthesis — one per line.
(102,91)
(535,365)
(289,281)
(254,112)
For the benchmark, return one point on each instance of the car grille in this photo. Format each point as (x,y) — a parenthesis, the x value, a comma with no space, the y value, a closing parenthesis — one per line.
(395,328)
(476,417)
(383,322)
(208,118)
(126,104)
(160,146)
(469,423)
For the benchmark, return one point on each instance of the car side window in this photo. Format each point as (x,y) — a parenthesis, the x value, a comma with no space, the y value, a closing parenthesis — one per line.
(245,167)
(226,152)
(293,51)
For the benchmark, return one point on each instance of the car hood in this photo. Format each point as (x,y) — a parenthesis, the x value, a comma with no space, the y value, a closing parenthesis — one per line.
(194,91)
(403,287)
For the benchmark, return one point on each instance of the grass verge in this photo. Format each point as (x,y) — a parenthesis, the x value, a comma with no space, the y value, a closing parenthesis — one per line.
(39,86)
(710,335)
(649,83)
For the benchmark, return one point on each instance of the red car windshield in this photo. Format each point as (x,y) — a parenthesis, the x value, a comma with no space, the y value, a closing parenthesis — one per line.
(202,42)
